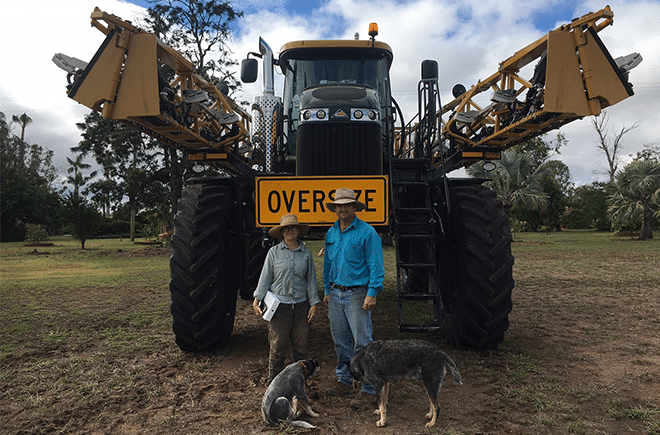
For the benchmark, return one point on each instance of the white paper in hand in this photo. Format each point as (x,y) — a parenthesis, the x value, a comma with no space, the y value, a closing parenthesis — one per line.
(272,302)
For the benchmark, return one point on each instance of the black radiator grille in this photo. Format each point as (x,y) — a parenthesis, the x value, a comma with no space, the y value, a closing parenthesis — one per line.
(348,148)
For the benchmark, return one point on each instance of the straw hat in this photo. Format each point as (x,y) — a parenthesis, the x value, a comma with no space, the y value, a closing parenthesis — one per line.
(286,221)
(345,196)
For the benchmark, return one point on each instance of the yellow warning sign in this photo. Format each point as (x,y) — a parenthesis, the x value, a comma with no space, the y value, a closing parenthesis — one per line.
(307,197)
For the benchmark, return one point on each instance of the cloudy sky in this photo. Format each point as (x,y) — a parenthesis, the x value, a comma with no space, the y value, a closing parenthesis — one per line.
(467,38)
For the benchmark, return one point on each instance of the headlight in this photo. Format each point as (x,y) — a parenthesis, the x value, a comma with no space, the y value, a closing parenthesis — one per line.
(312,115)
(365,115)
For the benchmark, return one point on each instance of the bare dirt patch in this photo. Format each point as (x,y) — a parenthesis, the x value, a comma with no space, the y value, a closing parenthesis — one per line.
(582,356)
(152,251)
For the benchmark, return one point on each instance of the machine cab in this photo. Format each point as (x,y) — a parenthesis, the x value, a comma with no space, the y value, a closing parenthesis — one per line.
(336,105)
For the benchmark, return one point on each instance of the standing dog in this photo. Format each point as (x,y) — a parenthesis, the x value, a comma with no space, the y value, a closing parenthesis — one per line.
(281,399)
(381,361)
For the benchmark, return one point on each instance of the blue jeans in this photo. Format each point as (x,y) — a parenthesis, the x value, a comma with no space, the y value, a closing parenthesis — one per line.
(351,329)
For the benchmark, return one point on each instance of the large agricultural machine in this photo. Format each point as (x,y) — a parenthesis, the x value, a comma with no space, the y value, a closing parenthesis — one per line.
(337,125)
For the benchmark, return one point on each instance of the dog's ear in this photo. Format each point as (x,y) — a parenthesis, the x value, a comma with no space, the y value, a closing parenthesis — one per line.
(310,366)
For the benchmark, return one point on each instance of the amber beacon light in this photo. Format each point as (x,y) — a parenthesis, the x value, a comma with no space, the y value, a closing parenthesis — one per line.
(373,30)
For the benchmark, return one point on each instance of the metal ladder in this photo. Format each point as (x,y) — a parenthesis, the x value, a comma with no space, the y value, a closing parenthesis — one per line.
(414,225)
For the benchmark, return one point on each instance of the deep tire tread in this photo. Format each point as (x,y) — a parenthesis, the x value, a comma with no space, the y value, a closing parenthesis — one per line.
(479,266)
(203,305)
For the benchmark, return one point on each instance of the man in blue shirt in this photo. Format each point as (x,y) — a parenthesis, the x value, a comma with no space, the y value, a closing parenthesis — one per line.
(353,273)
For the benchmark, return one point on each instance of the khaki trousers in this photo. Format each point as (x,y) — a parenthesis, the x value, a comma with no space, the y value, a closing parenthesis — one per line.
(288,329)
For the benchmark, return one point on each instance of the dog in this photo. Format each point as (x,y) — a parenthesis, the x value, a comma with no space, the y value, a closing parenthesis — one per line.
(384,360)
(286,391)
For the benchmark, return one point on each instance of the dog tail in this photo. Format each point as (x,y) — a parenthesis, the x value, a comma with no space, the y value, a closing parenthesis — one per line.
(301,423)
(455,374)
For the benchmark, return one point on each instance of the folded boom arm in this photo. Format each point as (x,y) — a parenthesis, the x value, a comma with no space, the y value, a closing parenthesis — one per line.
(124,82)
(574,76)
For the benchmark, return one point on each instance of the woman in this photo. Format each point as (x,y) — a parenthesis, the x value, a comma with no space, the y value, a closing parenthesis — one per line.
(289,273)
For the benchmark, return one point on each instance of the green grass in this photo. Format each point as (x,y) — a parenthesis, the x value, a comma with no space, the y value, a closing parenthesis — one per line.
(63,292)
(103,262)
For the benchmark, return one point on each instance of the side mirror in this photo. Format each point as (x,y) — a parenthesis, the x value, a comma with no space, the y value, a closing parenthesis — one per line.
(429,69)
(249,70)
(458,90)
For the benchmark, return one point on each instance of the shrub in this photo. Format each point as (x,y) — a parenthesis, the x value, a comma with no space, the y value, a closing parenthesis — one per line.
(113,228)
(36,236)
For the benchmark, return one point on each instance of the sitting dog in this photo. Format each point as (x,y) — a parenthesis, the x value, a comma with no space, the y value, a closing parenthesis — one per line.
(381,361)
(287,389)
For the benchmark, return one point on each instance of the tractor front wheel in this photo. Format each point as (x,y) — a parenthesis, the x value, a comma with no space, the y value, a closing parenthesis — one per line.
(203,300)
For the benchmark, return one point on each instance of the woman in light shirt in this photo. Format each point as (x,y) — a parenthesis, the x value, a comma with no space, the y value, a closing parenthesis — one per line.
(289,273)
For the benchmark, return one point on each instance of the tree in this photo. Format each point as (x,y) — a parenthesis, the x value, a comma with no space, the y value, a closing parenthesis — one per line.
(534,189)
(556,184)
(196,28)
(515,179)
(587,207)
(24,120)
(103,193)
(77,178)
(637,192)
(26,177)
(122,151)
(612,149)
(542,150)
(650,152)
(79,218)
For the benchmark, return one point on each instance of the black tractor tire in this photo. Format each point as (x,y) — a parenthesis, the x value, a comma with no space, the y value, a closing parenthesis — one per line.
(256,249)
(203,299)
(476,270)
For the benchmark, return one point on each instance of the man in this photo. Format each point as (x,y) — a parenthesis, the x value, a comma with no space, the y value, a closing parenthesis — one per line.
(353,273)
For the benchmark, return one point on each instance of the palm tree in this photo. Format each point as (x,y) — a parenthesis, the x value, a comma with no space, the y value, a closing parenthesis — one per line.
(24,120)
(516,179)
(78,179)
(638,192)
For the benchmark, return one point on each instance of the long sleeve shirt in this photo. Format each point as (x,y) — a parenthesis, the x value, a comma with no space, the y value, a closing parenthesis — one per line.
(290,274)
(353,257)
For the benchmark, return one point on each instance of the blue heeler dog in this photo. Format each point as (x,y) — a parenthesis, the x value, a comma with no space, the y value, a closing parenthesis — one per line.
(286,391)
(381,361)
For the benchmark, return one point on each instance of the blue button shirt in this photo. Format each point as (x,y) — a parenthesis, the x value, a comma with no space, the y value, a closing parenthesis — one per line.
(354,257)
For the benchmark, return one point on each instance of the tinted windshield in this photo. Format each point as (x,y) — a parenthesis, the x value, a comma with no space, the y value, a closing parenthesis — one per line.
(303,74)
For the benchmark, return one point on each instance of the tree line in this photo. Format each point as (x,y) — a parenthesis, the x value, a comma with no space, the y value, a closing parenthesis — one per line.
(538,195)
